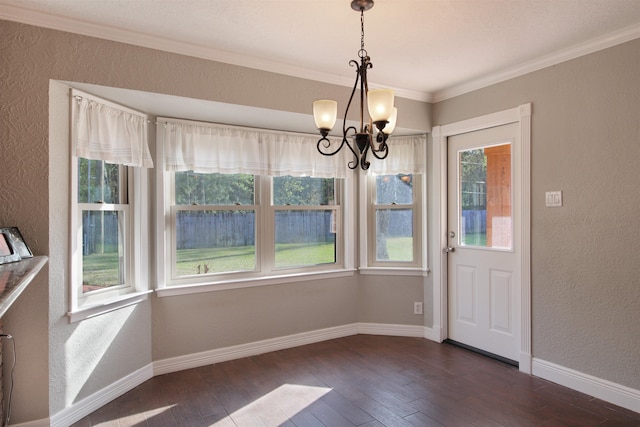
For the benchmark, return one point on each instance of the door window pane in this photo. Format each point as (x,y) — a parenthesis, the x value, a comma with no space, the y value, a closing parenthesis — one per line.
(304,238)
(485,197)
(215,241)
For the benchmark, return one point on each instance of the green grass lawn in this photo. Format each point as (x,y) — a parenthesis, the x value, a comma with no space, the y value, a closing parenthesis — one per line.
(475,239)
(102,269)
(400,248)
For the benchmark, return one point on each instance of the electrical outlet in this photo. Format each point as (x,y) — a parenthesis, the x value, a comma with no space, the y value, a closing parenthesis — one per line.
(417,307)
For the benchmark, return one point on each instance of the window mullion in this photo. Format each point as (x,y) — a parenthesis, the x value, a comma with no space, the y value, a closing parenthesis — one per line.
(266,235)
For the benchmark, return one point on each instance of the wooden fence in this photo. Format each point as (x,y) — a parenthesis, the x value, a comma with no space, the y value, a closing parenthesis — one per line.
(208,229)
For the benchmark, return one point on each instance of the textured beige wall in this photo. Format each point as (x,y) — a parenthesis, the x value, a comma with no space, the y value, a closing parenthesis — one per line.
(24,197)
(62,363)
(389,299)
(585,269)
(189,324)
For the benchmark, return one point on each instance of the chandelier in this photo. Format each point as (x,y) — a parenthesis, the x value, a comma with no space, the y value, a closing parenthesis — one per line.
(371,136)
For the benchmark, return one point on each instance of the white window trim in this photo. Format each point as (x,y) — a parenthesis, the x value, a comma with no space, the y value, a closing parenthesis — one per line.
(166,286)
(391,271)
(137,270)
(252,282)
(114,304)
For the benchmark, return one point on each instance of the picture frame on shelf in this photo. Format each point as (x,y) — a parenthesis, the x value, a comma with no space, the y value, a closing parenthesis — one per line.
(7,252)
(12,245)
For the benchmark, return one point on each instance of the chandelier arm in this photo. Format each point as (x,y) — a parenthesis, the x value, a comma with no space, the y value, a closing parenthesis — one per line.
(364,89)
(354,163)
(326,143)
(353,63)
(383,148)
(364,164)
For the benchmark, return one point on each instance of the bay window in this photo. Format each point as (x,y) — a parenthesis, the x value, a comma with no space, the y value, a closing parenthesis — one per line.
(234,207)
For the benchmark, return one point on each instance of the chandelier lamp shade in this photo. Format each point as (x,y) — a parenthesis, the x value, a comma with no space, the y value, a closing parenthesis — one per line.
(370,136)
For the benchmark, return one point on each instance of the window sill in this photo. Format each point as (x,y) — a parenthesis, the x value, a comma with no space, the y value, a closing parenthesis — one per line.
(251,282)
(111,305)
(395,271)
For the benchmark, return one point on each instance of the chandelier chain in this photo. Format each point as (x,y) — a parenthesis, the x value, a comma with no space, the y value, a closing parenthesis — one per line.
(362,53)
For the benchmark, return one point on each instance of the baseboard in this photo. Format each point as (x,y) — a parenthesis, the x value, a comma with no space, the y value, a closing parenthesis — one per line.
(431,334)
(391,330)
(81,409)
(525,363)
(399,330)
(224,354)
(608,391)
(44,422)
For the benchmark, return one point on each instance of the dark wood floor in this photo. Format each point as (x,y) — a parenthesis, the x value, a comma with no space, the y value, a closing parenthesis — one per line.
(361,380)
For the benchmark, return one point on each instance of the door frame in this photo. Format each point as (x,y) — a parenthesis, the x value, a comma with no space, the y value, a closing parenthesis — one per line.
(440,134)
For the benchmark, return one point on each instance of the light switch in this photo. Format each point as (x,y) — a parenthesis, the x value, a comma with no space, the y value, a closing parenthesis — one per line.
(553,199)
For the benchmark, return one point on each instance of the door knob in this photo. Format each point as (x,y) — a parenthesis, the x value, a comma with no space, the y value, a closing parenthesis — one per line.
(450,249)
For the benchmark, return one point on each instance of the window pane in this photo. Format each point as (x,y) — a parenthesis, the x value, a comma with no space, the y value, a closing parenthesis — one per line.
(305,238)
(102,250)
(213,189)
(485,195)
(305,191)
(394,189)
(98,182)
(215,241)
(394,235)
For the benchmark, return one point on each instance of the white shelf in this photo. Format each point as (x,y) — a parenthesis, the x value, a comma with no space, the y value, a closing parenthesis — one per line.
(15,277)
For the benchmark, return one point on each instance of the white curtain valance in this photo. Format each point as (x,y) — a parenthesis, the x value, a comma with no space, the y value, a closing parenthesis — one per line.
(106,131)
(212,148)
(406,155)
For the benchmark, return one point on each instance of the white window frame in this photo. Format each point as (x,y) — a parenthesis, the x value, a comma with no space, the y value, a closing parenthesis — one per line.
(368,262)
(339,229)
(266,273)
(135,216)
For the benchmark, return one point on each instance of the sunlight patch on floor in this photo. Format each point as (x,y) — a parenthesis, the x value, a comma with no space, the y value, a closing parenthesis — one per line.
(279,405)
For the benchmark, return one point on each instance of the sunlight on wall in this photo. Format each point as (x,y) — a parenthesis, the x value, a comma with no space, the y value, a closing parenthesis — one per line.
(86,348)
(279,405)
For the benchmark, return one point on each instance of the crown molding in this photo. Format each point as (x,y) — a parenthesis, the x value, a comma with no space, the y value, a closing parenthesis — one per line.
(55,22)
(599,43)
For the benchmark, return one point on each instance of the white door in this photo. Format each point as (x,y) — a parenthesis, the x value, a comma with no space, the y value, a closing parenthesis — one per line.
(483,240)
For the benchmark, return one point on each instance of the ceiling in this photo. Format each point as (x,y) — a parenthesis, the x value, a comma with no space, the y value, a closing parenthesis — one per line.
(425,49)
